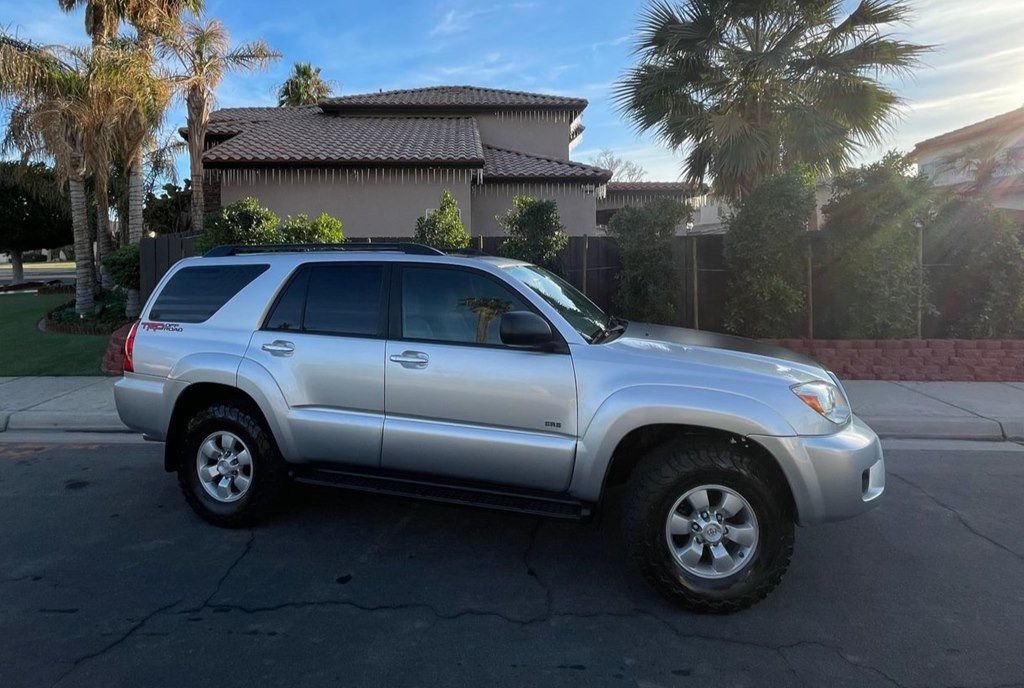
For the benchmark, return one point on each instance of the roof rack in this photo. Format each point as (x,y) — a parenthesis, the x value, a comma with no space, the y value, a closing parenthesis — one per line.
(398,247)
(468,252)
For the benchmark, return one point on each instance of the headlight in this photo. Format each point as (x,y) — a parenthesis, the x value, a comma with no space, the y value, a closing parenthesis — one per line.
(826,399)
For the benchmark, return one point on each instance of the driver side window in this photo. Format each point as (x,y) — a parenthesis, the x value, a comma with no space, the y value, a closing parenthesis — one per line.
(456,306)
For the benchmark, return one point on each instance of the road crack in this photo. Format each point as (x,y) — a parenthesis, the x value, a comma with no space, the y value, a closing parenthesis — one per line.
(138,625)
(532,571)
(963,521)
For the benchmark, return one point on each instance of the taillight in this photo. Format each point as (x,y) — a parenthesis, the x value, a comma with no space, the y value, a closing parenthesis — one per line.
(129,346)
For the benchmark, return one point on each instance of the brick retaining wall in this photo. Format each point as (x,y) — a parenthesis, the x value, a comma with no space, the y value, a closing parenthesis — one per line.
(916,359)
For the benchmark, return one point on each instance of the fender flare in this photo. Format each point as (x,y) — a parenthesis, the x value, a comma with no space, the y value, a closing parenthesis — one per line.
(238,373)
(256,381)
(642,405)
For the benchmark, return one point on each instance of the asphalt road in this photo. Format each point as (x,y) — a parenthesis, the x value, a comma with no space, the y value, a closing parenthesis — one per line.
(107,579)
(38,271)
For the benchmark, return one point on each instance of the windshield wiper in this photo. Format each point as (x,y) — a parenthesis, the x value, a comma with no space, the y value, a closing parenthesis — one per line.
(614,328)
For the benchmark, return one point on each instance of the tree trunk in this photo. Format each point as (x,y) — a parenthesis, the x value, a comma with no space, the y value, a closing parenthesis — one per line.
(136,181)
(198,117)
(17,266)
(103,243)
(198,202)
(83,248)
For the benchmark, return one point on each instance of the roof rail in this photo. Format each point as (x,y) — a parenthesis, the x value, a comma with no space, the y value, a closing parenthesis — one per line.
(398,247)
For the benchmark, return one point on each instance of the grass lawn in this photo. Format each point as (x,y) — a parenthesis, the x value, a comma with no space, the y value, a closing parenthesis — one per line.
(24,350)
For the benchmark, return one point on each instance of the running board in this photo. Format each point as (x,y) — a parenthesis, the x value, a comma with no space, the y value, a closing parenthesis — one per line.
(523,503)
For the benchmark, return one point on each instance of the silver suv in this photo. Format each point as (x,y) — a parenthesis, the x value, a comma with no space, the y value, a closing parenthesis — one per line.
(401,370)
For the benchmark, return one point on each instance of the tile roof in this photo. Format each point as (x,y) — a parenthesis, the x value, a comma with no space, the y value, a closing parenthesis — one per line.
(460,98)
(502,164)
(1006,124)
(275,136)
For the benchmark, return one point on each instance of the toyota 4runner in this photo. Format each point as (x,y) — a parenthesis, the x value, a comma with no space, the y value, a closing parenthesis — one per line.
(398,369)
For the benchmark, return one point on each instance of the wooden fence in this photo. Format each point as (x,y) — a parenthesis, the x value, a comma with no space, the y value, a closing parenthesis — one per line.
(593,264)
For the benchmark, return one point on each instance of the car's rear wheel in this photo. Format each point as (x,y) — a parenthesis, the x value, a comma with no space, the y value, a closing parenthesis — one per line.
(709,524)
(229,467)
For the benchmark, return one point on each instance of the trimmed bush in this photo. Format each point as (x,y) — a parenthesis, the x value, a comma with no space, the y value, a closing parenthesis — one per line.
(243,222)
(533,232)
(981,245)
(443,228)
(648,287)
(766,249)
(322,230)
(123,266)
(870,270)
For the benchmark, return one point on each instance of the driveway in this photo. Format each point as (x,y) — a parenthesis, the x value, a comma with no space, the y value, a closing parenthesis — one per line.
(108,579)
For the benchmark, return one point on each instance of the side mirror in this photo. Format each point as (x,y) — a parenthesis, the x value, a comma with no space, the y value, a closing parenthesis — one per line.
(523,328)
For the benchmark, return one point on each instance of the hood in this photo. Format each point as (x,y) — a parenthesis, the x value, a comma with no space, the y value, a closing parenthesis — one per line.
(714,340)
(719,350)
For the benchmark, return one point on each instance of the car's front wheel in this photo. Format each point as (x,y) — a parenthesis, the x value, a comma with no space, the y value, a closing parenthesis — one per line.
(229,468)
(709,524)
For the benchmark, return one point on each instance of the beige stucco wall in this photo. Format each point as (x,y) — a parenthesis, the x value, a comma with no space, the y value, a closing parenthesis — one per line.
(386,204)
(578,211)
(544,134)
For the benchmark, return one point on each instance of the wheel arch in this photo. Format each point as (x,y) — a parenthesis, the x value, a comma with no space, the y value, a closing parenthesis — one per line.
(638,442)
(633,416)
(194,398)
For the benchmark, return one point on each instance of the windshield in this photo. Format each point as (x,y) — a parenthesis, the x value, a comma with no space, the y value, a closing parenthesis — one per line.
(585,317)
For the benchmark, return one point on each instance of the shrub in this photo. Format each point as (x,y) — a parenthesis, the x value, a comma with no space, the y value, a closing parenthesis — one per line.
(33,257)
(533,232)
(985,288)
(169,212)
(647,287)
(871,272)
(322,230)
(765,250)
(443,228)
(123,266)
(243,222)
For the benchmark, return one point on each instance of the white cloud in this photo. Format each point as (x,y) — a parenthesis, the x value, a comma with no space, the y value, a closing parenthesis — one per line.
(457,21)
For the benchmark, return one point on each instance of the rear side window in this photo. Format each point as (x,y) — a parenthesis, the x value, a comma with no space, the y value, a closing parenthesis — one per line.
(193,294)
(337,299)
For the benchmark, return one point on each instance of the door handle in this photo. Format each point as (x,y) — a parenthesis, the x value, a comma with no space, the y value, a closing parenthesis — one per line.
(279,347)
(411,359)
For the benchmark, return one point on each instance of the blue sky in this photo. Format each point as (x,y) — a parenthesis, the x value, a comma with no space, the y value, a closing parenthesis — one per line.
(571,47)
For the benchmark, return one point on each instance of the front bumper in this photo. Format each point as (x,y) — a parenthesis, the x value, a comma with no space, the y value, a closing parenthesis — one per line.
(832,477)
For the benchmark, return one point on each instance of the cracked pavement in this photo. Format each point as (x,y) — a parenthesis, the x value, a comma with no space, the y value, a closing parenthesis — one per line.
(107,578)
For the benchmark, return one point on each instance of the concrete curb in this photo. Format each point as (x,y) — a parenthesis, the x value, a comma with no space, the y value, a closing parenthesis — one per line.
(952,428)
(79,421)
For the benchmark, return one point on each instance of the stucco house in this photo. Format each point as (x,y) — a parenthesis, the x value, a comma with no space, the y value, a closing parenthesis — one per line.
(381,160)
(994,146)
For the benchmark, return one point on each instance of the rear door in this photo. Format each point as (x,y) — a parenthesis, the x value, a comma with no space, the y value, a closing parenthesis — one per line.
(323,342)
(461,404)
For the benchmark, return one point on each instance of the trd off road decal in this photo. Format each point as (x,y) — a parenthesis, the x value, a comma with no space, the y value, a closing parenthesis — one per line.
(161,327)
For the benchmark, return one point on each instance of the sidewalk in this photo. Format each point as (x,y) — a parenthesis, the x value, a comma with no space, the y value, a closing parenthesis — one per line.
(933,410)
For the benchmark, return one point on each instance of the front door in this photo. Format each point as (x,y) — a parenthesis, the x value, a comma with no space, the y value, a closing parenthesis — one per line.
(324,345)
(460,404)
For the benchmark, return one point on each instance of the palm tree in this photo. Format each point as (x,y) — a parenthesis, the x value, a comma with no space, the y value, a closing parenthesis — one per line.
(204,54)
(985,166)
(754,86)
(62,105)
(303,87)
(102,17)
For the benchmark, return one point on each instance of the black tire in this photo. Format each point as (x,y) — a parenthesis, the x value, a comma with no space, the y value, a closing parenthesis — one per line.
(269,472)
(666,474)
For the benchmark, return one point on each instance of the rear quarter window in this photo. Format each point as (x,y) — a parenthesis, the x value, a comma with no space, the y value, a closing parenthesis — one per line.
(195,293)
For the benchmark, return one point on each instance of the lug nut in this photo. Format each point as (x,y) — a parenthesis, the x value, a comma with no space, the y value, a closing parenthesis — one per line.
(695,527)
(718,517)
(704,515)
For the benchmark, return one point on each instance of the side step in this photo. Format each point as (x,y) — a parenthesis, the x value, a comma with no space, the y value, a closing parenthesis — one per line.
(518,502)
